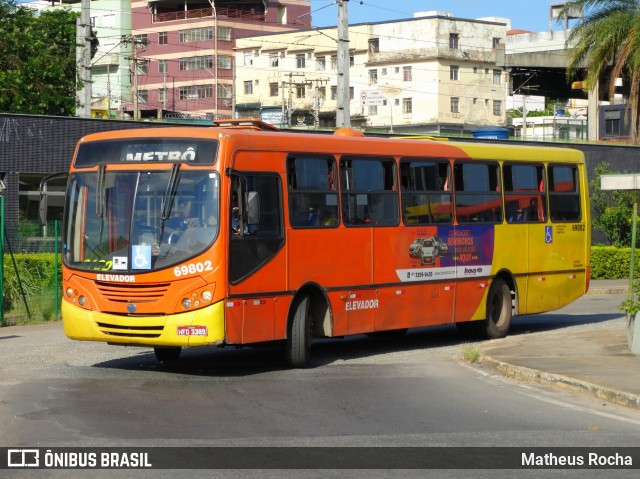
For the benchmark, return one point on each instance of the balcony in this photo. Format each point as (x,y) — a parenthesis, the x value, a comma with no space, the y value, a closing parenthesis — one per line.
(244,12)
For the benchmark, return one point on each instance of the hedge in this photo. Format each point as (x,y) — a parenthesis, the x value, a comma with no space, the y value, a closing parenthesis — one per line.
(609,262)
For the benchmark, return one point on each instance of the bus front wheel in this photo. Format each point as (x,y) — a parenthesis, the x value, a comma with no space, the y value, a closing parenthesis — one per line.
(499,310)
(299,334)
(167,353)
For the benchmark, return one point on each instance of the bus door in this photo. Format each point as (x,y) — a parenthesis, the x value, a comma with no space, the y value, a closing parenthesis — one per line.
(257,263)
(557,248)
(525,215)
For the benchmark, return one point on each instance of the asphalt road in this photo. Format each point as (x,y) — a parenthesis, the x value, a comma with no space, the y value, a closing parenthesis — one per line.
(412,391)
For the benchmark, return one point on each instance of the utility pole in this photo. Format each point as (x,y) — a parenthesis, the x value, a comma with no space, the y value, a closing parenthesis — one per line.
(135,43)
(83,60)
(343,97)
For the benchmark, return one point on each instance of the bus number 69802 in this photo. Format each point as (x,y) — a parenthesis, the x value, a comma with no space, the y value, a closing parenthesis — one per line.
(192,268)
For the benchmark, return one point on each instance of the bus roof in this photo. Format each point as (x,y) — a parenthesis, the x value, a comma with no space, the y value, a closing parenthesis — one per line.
(255,134)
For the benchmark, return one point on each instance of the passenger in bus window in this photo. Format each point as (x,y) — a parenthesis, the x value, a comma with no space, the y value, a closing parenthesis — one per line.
(329,218)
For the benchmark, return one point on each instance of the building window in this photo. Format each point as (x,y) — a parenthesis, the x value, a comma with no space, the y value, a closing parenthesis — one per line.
(248,59)
(301,91)
(142,67)
(373,77)
(334,92)
(374,45)
(406,73)
(612,126)
(321,63)
(497,107)
(163,66)
(196,63)
(194,92)
(407,106)
(352,61)
(300,60)
(373,110)
(224,91)
(224,62)
(163,38)
(143,96)
(334,62)
(384,72)
(196,35)
(162,95)
(352,92)
(454,72)
(224,34)
(274,59)
(141,39)
(453,40)
(496,41)
(248,87)
(455,104)
(273,89)
(497,77)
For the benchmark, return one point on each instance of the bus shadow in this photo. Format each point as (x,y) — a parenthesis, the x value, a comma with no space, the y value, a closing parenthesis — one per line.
(249,361)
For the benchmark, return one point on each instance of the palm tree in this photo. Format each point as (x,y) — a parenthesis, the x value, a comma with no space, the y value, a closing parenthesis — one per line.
(607,41)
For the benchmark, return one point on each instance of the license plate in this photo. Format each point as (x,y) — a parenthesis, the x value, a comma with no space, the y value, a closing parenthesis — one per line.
(192,330)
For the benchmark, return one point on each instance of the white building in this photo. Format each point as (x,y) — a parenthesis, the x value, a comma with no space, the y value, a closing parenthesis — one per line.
(433,73)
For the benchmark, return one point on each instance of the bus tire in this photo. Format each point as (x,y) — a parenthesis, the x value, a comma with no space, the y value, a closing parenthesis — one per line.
(498,320)
(167,353)
(299,334)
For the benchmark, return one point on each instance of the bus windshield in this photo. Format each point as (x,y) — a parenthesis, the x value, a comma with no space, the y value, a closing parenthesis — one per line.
(139,221)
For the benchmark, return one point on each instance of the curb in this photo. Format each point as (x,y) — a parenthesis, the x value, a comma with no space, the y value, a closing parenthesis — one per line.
(609,290)
(521,373)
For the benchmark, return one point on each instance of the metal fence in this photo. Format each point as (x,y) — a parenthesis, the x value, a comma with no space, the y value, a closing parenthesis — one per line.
(30,282)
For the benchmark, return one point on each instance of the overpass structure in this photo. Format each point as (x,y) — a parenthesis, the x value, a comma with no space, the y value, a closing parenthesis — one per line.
(537,65)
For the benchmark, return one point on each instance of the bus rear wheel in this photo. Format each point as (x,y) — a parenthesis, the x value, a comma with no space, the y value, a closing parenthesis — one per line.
(299,334)
(167,353)
(498,320)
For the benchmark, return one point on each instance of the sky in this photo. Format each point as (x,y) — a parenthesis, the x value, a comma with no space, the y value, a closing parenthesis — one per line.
(530,15)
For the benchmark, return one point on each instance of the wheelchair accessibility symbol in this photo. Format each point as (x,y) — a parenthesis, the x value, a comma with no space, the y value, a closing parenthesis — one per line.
(141,256)
(548,234)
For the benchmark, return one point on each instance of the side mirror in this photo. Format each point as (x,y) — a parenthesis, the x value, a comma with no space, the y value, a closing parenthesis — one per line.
(43,206)
(253,207)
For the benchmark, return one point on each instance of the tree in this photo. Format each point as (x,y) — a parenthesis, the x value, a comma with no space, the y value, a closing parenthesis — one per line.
(607,43)
(612,210)
(37,60)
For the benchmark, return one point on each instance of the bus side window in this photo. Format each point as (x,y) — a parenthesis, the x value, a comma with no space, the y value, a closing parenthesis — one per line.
(478,195)
(564,194)
(426,193)
(369,193)
(313,199)
(524,192)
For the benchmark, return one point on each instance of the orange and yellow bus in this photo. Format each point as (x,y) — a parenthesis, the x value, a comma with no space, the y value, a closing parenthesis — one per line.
(240,234)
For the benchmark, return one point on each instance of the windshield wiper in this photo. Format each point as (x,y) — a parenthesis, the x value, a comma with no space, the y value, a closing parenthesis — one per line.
(100,192)
(101,199)
(169,196)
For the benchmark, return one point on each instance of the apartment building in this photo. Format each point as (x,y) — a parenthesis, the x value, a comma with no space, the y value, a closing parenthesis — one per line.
(431,73)
(183,51)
